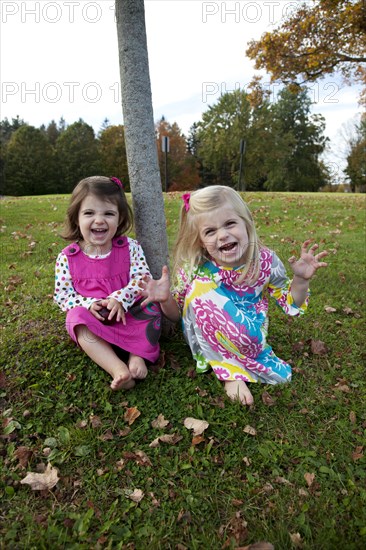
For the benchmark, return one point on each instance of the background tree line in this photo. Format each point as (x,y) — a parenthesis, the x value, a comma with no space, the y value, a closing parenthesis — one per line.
(284,143)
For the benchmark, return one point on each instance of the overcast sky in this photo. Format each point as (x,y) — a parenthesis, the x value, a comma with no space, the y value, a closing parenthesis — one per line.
(60,59)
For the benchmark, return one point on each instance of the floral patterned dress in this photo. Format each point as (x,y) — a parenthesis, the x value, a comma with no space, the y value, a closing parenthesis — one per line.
(226,324)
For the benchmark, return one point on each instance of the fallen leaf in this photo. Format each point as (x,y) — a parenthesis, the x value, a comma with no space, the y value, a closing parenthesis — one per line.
(267,399)
(155,501)
(198,426)
(357,454)
(318,347)
(124,432)
(137,495)
(107,436)
(283,480)
(347,310)
(352,417)
(95,421)
(40,482)
(160,363)
(330,309)
(309,478)
(159,422)
(197,439)
(120,464)
(23,454)
(131,414)
(342,387)
(249,430)
(295,539)
(171,439)
(140,457)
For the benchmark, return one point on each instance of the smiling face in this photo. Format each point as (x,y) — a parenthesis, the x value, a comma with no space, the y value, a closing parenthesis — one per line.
(224,235)
(98,221)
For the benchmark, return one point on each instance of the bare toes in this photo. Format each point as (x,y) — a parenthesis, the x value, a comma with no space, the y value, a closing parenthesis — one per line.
(137,368)
(120,382)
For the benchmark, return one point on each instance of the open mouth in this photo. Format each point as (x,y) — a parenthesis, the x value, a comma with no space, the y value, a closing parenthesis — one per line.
(228,247)
(99,231)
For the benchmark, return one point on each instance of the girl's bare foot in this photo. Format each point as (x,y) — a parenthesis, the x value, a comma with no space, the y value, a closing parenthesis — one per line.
(122,379)
(237,390)
(137,367)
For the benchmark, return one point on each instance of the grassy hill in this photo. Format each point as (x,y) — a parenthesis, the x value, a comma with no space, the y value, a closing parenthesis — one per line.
(290,471)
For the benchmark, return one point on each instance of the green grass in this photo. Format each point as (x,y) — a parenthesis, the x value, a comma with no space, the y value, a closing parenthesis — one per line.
(230,490)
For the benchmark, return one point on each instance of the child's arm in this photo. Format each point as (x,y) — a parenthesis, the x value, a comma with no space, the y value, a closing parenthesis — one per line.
(304,269)
(138,269)
(65,294)
(159,291)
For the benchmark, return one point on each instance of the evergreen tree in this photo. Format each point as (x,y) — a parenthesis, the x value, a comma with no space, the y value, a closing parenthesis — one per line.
(356,159)
(77,155)
(295,145)
(113,156)
(29,163)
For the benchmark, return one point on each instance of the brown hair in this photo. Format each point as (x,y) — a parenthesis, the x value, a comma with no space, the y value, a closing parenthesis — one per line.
(103,188)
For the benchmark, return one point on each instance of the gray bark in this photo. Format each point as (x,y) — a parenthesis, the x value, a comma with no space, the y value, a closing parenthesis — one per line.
(138,119)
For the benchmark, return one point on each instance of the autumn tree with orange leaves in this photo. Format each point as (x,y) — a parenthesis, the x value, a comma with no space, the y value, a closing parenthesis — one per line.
(318,38)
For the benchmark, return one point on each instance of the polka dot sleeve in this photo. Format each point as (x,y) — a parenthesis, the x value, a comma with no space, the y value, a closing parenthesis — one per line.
(65,295)
(128,295)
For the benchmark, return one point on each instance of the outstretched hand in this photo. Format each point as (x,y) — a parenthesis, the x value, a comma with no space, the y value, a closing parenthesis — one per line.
(155,290)
(308,263)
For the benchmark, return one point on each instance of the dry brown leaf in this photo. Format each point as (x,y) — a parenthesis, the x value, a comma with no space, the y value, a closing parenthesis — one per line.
(159,422)
(267,399)
(249,430)
(357,454)
(318,347)
(171,439)
(330,309)
(23,454)
(124,432)
(342,387)
(280,479)
(107,436)
(137,495)
(348,310)
(40,482)
(352,417)
(154,500)
(309,478)
(295,539)
(198,426)
(197,439)
(140,457)
(95,421)
(131,414)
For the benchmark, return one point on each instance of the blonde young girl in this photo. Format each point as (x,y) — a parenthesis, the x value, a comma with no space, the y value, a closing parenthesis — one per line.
(223,279)
(97,283)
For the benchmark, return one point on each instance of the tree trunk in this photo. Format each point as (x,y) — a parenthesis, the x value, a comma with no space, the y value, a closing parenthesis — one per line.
(138,119)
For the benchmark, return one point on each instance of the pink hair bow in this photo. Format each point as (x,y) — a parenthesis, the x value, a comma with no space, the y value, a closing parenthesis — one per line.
(186,198)
(117,181)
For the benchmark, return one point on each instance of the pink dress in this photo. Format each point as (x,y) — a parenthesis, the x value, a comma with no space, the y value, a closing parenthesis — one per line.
(87,279)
